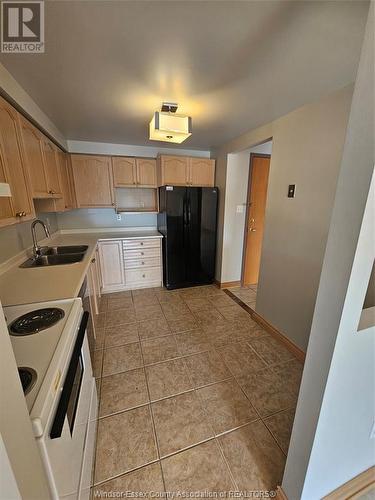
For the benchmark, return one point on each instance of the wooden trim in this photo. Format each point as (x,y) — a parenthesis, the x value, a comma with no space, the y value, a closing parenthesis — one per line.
(227,284)
(280,494)
(359,485)
(291,346)
(246,233)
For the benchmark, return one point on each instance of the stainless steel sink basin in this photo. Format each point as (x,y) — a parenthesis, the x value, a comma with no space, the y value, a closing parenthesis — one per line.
(64,250)
(53,260)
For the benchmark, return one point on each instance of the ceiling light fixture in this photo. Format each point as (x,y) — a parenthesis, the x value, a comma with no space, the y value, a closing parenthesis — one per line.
(168,126)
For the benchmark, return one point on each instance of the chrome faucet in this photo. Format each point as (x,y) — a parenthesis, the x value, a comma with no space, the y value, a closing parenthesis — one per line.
(36,247)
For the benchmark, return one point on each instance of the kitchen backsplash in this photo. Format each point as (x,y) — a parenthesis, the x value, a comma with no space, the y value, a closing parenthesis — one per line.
(14,239)
(102,217)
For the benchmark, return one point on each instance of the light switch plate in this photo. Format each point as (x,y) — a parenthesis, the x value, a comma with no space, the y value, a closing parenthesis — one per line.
(118,216)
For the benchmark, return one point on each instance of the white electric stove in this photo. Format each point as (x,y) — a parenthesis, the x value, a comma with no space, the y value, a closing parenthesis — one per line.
(51,349)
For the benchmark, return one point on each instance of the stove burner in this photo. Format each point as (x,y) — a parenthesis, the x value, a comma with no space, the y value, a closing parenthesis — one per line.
(36,321)
(28,378)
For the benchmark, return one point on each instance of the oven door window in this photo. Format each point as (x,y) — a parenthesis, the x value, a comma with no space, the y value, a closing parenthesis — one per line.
(74,396)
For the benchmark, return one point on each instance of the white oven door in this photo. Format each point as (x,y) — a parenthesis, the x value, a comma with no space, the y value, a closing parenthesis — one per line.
(63,445)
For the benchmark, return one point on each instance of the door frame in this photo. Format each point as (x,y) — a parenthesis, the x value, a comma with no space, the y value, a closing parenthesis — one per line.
(246,225)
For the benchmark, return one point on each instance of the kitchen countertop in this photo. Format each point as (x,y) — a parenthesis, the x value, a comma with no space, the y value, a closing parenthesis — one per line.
(39,284)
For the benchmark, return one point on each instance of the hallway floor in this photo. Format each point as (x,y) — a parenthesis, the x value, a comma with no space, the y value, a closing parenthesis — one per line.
(247,294)
(194,395)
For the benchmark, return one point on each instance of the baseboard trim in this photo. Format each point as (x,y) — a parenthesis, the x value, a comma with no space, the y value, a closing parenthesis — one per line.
(291,346)
(280,494)
(227,284)
(359,485)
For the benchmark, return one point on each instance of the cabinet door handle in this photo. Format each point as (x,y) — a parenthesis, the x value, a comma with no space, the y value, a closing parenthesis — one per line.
(19,214)
(93,260)
(141,242)
(143,263)
(143,275)
(142,253)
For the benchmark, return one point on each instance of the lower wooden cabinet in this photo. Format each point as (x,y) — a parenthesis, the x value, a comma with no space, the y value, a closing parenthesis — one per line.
(130,263)
(111,265)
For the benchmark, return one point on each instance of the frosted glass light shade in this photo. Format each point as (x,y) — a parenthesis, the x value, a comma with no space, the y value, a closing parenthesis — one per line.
(170,127)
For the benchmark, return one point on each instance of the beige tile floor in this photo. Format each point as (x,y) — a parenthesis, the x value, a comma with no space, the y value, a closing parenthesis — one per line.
(194,395)
(248,294)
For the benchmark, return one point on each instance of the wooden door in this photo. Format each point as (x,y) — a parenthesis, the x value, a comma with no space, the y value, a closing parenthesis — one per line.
(92,180)
(202,172)
(67,198)
(12,168)
(124,171)
(174,171)
(257,197)
(146,172)
(111,265)
(32,142)
(51,168)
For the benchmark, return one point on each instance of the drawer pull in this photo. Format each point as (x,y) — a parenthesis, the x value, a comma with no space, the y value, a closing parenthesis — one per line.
(142,253)
(141,242)
(143,275)
(143,263)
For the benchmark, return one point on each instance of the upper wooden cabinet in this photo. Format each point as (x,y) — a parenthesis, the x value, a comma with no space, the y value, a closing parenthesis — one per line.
(51,167)
(202,172)
(42,163)
(146,172)
(134,172)
(185,171)
(19,206)
(173,170)
(92,180)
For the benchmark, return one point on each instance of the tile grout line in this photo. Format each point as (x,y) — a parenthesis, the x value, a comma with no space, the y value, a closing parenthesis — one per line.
(153,421)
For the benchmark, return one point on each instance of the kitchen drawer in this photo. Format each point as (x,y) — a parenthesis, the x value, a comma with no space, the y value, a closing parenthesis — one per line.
(141,253)
(151,243)
(142,275)
(141,263)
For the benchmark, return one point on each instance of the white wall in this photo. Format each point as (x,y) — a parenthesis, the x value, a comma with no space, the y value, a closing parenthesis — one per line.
(15,238)
(330,441)
(104,148)
(103,217)
(237,178)
(306,151)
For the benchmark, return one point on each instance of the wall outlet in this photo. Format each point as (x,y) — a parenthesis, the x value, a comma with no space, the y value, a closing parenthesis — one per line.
(118,216)
(239,209)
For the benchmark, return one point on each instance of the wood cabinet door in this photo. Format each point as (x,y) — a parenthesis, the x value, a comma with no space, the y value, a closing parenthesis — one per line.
(202,172)
(66,189)
(111,264)
(13,168)
(51,168)
(92,180)
(174,170)
(124,171)
(146,172)
(32,142)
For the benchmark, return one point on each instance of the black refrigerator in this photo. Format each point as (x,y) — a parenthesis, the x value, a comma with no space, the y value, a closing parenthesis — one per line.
(187,220)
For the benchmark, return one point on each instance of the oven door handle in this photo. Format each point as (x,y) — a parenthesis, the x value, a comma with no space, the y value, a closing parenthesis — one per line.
(62,407)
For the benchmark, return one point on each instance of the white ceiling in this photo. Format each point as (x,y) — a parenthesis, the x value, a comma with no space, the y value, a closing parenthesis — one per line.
(231,65)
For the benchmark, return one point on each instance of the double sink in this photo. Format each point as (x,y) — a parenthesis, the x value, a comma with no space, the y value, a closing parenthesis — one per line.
(56,256)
